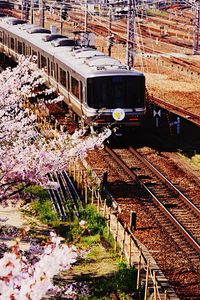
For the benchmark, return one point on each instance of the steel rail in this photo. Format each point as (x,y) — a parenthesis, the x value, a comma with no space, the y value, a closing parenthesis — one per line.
(194,208)
(167,213)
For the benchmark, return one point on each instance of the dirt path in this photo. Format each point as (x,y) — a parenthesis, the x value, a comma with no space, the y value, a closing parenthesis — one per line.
(11,216)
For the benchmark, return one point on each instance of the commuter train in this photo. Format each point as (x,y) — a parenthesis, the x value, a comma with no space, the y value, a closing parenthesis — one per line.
(98,89)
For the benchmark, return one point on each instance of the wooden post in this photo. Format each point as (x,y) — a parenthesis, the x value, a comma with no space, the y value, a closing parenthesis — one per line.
(116,236)
(78,177)
(154,286)
(123,242)
(109,221)
(74,172)
(104,209)
(83,183)
(130,244)
(98,202)
(147,279)
(139,269)
(92,195)
(166,296)
(70,169)
(86,193)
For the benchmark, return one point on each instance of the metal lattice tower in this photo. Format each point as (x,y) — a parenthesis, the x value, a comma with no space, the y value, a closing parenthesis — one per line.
(41,9)
(24,11)
(130,34)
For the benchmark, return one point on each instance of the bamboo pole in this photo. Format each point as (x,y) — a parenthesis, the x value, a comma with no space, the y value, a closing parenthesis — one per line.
(78,177)
(116,236)
(74,172)
(86,193)
(130,244)
(83,183)
(92,195)
(166,296)
(154,286)
(139,268)
(109,221)
(147,279)
(104,209)
(98,202)
(123,242)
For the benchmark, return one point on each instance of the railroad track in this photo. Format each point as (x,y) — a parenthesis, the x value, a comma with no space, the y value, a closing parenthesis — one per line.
(167,221)
(171,201)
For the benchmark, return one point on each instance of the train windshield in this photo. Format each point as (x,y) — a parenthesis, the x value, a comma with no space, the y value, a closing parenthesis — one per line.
(116,91)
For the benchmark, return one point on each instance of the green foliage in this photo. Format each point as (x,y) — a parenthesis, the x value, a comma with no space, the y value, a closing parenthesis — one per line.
(87,241)
(42,206)
(96,223)
(121,283)
(126,278)
(156,12)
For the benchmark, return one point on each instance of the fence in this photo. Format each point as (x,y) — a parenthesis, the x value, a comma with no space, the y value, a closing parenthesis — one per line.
(148,273)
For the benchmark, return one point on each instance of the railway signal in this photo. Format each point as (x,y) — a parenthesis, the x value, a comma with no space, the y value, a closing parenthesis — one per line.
(157,115)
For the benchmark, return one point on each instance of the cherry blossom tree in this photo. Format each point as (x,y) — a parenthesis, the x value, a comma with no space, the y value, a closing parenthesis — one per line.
(25,280)
(27,155)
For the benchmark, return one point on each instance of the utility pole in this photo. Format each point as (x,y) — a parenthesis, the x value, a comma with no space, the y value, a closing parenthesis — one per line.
(61,20)
(110,37)
(24,13)
(41,10)
(86,16)
(32,12)
(196,28)
(130,34)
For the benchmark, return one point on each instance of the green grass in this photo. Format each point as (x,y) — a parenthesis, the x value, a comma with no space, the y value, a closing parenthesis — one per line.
(42,206)
(156,12)
(100,268)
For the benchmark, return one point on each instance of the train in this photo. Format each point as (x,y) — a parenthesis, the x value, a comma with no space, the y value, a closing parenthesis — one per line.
(98,89)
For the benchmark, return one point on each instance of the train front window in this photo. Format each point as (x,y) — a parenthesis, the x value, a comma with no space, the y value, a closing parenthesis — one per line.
(116,91)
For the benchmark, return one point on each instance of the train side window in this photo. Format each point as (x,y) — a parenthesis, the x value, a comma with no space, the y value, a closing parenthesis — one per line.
(48,66)
(5,39)
(81,90)
(52,68)
(43,62)
(34,53)
(12,43)
(23,48)
(56,71)
(27,51)
(75,87)
(68,82)
(63,77)
(19,48)
(38,61)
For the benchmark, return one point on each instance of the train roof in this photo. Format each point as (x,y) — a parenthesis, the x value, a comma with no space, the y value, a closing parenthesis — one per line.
(88,62)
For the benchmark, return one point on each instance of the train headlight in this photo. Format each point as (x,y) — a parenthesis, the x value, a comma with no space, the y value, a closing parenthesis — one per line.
(118,114)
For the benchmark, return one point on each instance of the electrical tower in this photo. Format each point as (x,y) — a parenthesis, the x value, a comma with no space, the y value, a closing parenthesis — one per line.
(130,34)
(25,10)
(41,9)
(196,27)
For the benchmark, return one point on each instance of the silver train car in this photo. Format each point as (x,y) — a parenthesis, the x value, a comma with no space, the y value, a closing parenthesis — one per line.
(98,89)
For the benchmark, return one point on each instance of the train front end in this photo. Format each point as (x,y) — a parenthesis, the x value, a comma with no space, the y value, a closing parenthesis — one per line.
(117,100)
